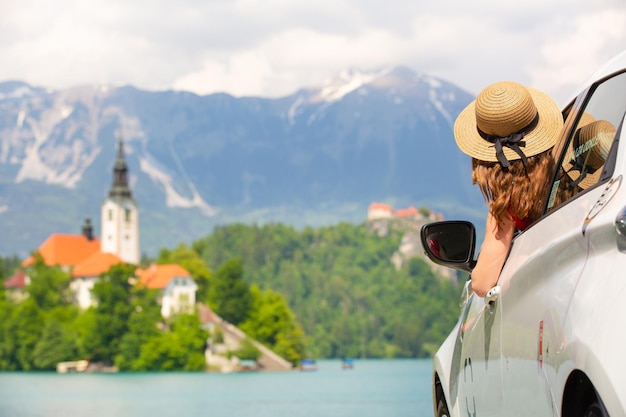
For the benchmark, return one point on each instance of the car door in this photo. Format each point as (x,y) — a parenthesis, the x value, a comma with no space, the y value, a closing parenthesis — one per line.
(545,263)
(478,360)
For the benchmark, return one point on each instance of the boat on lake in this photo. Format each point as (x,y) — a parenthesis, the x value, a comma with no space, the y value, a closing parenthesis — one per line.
(308,365)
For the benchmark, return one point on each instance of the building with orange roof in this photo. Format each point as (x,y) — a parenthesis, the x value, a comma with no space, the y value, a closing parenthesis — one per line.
(15,284)
(379,211)
(86,257)
(67,250)
(179,289)
(407,212)
(86,274)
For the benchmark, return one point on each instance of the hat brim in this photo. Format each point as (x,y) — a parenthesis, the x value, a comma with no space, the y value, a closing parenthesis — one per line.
(590,178)
(540,139)
(574,175)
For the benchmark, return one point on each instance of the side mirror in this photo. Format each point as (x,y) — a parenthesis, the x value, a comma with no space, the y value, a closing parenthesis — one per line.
(450,243)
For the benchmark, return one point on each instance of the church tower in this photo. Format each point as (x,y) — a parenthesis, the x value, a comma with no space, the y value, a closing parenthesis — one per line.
(120,217)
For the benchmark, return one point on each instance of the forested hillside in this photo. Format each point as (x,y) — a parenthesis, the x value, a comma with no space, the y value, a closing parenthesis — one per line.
(330,292)
(342,287)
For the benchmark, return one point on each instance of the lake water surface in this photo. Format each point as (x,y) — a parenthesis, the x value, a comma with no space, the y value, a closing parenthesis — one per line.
(374,388)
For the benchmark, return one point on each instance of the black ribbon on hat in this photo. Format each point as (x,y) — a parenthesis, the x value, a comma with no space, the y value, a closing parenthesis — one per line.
(512,141)
(579,162)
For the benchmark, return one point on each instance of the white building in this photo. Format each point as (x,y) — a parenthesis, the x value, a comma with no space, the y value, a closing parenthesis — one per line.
(379,211)
(120,216)
(178,288)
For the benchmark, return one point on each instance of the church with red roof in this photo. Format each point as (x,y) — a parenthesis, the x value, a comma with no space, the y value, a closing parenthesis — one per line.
(86,257)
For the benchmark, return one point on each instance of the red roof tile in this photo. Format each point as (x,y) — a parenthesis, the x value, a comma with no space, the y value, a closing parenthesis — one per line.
(380,206)
(158,276)
(95,265)
(18,280)
(65,250)
(411,211)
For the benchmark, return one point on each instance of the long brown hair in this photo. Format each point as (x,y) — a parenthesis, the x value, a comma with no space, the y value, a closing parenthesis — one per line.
(518,189)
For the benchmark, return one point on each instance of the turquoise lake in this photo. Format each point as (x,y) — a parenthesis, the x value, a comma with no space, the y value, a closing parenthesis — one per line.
(390,388)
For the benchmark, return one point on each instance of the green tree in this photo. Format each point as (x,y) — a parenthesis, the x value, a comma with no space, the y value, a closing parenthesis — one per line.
(247,351)
(178,349)
(424,211)
(8,265)
(340,283)
(272,323)
(49,285)
(8,336)
(229,295)
(28,324)
(161,353)
(57,344)
(105,324)
(143,325)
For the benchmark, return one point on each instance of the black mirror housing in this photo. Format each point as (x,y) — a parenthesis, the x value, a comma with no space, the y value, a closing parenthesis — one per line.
(450,243)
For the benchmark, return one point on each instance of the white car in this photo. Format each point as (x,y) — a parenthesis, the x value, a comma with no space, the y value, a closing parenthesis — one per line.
(550,338)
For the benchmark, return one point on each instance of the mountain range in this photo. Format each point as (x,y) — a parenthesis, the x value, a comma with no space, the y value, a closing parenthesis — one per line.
(316,157)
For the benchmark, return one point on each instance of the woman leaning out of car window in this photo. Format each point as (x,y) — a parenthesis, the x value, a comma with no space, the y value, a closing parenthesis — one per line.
(509,131)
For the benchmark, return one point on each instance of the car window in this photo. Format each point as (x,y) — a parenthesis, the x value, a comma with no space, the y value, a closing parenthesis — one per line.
(582,162)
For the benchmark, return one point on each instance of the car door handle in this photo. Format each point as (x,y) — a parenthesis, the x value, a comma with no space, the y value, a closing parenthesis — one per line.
(491,297)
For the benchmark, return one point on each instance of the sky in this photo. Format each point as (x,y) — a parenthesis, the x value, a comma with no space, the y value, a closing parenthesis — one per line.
(272,48)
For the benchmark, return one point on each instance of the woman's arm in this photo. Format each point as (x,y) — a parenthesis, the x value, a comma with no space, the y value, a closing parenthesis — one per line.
(492,254)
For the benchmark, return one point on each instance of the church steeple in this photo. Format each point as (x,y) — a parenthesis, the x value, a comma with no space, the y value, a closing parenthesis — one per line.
(120,215)
(120,175)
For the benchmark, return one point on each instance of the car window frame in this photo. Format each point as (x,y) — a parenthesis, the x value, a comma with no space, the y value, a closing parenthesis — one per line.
(573,112)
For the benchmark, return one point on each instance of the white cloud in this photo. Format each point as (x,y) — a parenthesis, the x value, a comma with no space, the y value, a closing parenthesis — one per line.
(591,40)
(273,47)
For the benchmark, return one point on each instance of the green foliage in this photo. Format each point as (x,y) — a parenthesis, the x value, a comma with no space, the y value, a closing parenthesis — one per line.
(339,283)
(163,352)
(424,211)
(332,290)
(105,326)
(28,322)
(8,265)
(8,336)
(180,349)
(48,286)
(57,344)
(229,294)
(247,351)
(217,336)
(125,327)
(272,323)
(143,325)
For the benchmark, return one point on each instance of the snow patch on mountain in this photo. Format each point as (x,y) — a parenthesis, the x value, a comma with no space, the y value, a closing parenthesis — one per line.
(172,197)
(437,99)
(63,165)
(293,110)
(66,111)
(20,119)
(346,82)
(432,82)
(21,91)
(434,99)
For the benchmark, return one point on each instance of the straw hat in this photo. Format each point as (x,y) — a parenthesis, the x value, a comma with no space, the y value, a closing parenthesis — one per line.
(588,151)
(506,115)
